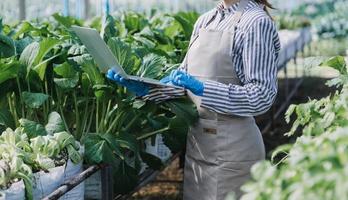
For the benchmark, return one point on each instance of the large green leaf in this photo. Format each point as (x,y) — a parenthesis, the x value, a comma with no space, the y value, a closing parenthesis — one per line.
(31,29)
(94,75)
(22,44)
(67,83)
(77,50)
(147,32)
(8,70)
(66,21)
(31,128)
(29,54)
(46,46)
(55,124)
(175,138)
(108,29)
(128,141)
(125,178)
(6,120)
(70,76)
(65,70)
(184,109)
(7,47)
(123,54)
(186,20)
(74,155)
(34,100)
(146,42)
(102,149)
(33,55)
(152,66)
(152,161)
(172,30)
(1,25)
(134,22)
(337,63)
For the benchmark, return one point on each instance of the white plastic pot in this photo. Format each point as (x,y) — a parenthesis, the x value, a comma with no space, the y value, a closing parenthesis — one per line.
(15,192)
(71,171)
(45,183)
(158,149)
(2,196)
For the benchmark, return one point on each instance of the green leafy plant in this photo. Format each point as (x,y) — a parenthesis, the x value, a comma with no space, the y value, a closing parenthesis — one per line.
(318,116)
(32,148)
(314,167)
(292,22)
(328,17)
(50,71)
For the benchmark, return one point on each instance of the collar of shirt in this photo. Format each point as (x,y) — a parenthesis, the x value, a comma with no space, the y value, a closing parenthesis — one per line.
(226,10)
(220,8)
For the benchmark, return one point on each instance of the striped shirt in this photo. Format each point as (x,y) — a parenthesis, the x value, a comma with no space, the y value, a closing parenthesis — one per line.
(255,57)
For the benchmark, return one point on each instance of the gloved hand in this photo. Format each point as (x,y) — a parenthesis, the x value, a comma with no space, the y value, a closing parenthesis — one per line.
(140,89)
(167,80)
(187,81)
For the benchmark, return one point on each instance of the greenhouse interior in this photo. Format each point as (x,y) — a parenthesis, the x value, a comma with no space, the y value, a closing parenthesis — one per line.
(174,100)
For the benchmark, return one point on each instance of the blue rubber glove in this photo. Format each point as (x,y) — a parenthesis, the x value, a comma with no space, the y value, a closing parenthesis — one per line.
(167,80)
(140,89)
(187,81)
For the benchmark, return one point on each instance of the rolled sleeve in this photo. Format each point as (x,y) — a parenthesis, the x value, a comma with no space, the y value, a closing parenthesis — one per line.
(259,88)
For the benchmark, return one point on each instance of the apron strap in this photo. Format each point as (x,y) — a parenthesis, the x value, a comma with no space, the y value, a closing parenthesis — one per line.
(234,20)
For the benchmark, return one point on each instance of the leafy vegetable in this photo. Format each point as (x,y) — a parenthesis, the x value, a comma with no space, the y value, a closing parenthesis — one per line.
(34,100)
(314,166)
(53,91)
(7,47)
(29,149)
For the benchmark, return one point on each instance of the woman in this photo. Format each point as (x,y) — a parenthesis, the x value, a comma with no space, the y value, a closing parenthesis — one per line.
(230,73)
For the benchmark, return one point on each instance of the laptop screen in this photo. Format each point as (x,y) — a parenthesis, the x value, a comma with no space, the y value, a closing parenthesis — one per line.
(98,49)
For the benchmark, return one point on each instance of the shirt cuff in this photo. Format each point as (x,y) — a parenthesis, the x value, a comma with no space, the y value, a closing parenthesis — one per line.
(216,96)
(210,93)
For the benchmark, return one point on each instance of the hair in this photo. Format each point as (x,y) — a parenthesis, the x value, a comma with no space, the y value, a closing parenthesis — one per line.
(267,5)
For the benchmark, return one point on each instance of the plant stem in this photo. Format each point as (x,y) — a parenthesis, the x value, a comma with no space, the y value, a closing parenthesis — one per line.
(97,117)
(282,160)
(65,100)
(107,113)
(63,118)
(61,109)
(130,124)
(47,104)
(20,96)
(77,115)
(28,85)
(85,119)
(115,121)
(147,135)
(35,115)
(102,117)
(12,110)
(44,107)
(91,118)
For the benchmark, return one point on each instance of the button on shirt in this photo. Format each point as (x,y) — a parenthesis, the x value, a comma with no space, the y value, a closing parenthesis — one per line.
(255,57)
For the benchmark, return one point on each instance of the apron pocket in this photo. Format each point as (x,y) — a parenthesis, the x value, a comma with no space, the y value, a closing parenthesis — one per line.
(239,139)
(201,141)
(231,176)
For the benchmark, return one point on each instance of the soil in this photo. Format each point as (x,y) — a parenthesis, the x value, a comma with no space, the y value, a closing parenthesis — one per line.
(168,185)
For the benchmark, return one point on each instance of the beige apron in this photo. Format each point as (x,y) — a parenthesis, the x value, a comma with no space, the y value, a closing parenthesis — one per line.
(220,148)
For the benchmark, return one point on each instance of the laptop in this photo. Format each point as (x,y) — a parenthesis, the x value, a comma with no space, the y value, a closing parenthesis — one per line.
(105,59)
